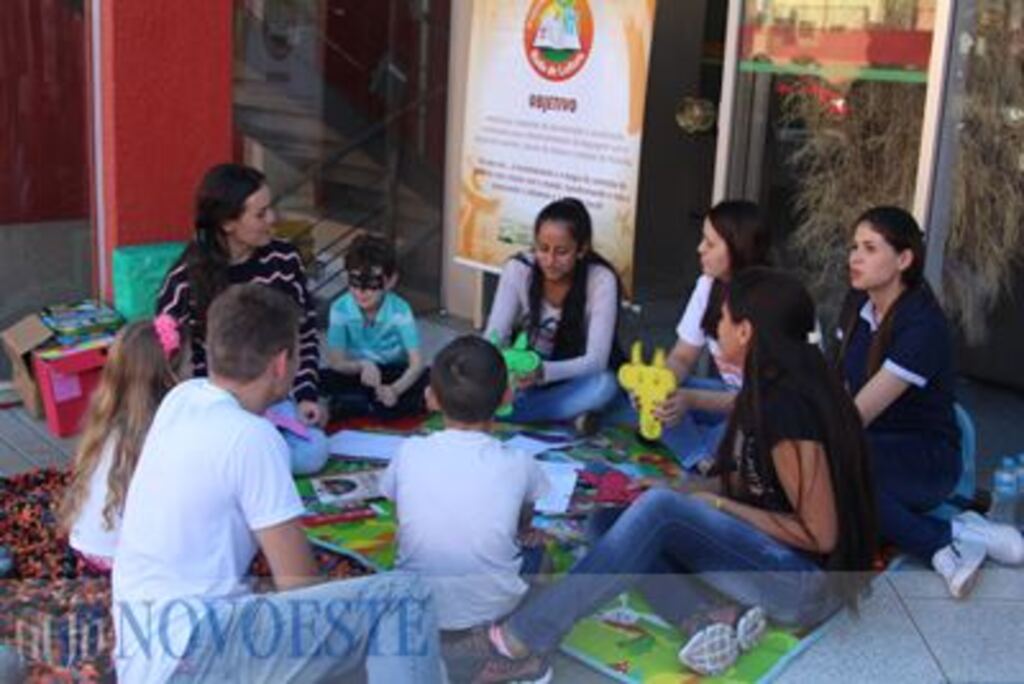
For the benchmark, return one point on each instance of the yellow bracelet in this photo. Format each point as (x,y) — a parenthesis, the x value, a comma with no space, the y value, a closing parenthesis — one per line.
(718,503)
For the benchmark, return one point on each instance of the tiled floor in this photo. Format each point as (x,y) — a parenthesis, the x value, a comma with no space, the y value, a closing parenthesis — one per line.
(25,444)
(908,630)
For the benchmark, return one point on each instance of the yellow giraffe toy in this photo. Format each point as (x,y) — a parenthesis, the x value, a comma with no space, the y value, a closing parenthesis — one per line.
(649,384)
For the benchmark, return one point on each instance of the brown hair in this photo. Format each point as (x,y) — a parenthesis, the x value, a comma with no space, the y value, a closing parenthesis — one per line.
(135,379)
(746,238)
(900,230)
(370,251)
(469,378)
(220,197)
(247,326)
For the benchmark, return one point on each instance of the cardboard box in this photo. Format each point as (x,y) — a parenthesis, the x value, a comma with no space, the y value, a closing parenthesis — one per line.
(19,341)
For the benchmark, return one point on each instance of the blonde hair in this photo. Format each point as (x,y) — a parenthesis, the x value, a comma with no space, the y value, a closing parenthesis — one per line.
(137,375)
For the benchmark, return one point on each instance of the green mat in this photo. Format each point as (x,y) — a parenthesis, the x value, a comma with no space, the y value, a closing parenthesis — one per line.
(625,640)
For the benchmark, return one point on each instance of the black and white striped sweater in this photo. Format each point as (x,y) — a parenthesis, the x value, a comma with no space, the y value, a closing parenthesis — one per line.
(277,264)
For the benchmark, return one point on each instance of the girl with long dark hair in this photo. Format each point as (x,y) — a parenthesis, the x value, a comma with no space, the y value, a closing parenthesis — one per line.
(790,534)
(896,355)
(234,244)
(565,296)
(734,238)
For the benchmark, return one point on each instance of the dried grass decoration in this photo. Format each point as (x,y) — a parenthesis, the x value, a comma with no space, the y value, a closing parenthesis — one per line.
(864,151)
(986,239)
(858,148)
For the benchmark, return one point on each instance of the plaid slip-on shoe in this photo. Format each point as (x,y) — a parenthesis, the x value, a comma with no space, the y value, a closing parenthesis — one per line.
(711,650)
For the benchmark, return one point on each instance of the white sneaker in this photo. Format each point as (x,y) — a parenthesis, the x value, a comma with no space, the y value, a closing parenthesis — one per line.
(711,651)
(959,563)
(1003,543)
(750,628)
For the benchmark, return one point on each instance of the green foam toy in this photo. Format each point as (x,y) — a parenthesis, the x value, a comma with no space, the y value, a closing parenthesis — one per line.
(520,360)
(649,384)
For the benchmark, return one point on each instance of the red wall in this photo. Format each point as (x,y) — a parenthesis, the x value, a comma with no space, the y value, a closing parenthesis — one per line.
(167,112)
(43,135)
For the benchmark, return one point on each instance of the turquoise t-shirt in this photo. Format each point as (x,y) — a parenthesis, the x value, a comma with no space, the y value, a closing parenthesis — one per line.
(387,340)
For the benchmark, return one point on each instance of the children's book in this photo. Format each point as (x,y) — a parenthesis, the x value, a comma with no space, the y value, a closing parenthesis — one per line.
(347,488)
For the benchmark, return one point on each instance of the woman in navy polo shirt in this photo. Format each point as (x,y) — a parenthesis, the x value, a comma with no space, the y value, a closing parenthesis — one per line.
(896,355)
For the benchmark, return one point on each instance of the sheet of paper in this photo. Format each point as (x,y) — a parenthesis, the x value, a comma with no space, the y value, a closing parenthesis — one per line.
(562,482)
(534,446)
(361,444)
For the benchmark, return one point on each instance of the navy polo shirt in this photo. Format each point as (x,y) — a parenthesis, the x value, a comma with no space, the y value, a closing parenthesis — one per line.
(920,352)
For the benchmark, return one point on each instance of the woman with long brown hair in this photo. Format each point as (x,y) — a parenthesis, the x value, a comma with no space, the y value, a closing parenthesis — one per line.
(734,237)
(234,243)
(790,534)
(140,370)
(896,356)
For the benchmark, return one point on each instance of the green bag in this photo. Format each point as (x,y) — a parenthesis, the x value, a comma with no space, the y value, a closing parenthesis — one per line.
(139,272)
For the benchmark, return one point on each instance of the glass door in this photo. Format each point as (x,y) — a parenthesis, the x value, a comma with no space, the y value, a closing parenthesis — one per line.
(828,107)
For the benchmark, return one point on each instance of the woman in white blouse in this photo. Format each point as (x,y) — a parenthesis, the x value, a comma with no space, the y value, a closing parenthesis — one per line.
(734,238)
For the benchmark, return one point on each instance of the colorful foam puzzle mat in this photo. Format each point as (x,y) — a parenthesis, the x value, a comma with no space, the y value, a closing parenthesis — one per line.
(625,640)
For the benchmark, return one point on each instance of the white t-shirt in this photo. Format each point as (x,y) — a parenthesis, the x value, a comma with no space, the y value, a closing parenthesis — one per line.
(459,496)
(210,474)
(89,534)
(690,332)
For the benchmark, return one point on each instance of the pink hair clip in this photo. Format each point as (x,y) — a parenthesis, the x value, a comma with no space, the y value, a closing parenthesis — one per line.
(167,331)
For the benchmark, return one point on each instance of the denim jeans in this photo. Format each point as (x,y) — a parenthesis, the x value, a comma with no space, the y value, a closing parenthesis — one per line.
(326,632)
(696,437)
(686,557)
(564,400)
(308,454)
(912,476)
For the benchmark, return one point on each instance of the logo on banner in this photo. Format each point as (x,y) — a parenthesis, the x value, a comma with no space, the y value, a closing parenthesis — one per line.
(559,36)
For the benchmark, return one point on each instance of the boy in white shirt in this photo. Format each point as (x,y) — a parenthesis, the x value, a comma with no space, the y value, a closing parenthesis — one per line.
(462,496)
(212,487)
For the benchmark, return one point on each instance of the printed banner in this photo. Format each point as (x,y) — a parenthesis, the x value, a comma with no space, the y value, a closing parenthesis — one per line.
(554,108)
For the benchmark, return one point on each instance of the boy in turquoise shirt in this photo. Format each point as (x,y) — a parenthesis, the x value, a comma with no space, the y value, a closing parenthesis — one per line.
(373,346)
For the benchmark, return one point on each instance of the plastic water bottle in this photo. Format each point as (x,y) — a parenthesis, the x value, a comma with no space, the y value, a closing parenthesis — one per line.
(1004,493)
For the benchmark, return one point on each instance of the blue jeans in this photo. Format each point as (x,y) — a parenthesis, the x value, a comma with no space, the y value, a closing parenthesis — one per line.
(308,455)
(564,400)
(912,476)
(697,436)
(686,557)
(321,633)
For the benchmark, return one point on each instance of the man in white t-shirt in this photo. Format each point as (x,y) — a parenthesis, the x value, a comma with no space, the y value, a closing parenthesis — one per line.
(462,497)
(212,487)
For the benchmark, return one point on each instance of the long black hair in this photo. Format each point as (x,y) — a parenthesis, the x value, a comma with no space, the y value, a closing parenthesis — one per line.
(901,231)
(748,240)
(782,316)
(220,198)
(571,338)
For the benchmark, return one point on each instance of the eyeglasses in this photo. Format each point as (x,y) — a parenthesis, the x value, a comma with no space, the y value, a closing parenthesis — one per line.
(366,281)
